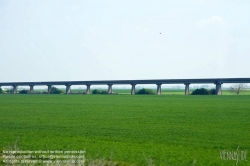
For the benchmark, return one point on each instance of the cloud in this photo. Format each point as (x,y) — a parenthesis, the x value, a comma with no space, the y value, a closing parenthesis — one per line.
(213,20)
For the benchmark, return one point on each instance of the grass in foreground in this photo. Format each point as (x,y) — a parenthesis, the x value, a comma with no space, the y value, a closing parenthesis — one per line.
(125,129)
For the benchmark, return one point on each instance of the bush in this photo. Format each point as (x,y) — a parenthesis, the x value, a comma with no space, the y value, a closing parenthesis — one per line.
(9,90)
(55,90)
(203,91)
(96,91)
(23,91)
(104,92)
(1,91)
(212,92)
(145,91)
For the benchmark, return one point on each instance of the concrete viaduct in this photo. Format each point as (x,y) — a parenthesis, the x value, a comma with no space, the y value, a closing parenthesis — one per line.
(217,81)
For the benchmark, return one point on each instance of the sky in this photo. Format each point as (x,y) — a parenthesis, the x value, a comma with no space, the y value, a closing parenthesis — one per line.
(80,40)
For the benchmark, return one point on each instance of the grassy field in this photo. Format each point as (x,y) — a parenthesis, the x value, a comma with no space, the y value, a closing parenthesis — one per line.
(129,129)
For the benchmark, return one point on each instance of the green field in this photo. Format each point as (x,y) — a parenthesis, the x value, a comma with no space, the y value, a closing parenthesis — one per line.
(129,129)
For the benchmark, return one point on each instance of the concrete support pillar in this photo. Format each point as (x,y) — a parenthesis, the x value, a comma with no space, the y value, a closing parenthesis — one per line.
(68,89)
(158,89)
(110,88)
(133,89)
(88,89)
(31,88)
(218,88)
(49,89)
(14,88)
(186,88)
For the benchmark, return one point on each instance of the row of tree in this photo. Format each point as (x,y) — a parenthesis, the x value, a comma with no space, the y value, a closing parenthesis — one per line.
(236,88)
(53,90)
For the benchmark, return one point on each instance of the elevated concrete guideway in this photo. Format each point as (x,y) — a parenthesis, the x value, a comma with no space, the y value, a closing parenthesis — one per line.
(158,82)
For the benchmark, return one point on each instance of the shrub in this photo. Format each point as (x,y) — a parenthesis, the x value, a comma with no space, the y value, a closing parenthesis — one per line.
(145,91)
(212,92)
(1,91)
(23,91)
(96,91)
(203,91)
(55,90)
(104,92)
(9,90)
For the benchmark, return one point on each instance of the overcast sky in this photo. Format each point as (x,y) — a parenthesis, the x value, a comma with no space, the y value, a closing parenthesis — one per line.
(57,40)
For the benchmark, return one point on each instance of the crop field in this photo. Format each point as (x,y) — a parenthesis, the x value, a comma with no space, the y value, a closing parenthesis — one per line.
(129,129)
